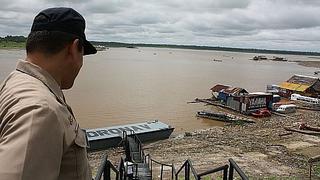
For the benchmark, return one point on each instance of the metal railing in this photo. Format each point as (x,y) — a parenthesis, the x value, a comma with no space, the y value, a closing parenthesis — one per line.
(234,166)
(123,170)
(130,154)
(128,148)
(106,166)
(221,168)
(189,170)
(187,165)
(150,161)
(105,169)
(140,150)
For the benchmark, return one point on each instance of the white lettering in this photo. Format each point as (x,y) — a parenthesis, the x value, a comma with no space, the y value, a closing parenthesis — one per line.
(106,132)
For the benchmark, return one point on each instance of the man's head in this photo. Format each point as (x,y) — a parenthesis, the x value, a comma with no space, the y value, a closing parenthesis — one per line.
(59,33)
(62,20)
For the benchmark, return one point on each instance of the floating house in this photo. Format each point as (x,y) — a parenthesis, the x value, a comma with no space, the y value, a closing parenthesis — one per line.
(274,89)
(247,103)
(299,84)
(240,100)
(231,92)
(217,88)
(257,100)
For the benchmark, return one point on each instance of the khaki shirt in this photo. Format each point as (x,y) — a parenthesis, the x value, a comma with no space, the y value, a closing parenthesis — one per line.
(39,136)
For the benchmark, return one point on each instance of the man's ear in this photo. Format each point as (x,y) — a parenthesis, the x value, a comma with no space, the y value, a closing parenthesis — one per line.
(74,47)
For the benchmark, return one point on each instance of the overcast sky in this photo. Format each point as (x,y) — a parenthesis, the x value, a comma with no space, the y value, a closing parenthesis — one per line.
(266,24)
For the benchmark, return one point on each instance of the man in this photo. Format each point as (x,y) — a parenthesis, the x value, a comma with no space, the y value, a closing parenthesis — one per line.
(39,136)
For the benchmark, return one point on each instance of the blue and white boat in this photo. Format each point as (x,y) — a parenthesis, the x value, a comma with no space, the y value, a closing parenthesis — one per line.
(107,137)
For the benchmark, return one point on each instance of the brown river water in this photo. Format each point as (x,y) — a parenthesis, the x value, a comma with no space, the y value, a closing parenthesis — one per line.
(125,85)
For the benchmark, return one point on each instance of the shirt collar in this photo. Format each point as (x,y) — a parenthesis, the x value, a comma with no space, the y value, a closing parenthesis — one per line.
(42,75)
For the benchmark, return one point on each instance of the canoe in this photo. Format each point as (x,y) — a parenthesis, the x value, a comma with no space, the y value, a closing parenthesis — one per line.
(222,117)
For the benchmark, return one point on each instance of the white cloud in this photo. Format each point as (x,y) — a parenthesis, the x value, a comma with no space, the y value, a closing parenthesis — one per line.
(268,24)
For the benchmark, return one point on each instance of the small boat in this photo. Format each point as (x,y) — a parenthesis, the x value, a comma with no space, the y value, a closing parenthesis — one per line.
(286,108)
(217,60)
(259,58)
(260,113)
(275,58)
(100,48)
(222,117)
(132,47)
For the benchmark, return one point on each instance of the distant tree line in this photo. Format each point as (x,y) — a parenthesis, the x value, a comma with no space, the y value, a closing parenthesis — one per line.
(14,39)
(217,48)
(22,39)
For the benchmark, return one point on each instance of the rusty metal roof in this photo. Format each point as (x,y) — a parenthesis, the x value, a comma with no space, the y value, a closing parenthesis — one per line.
(304,80)
(234,90)
(300,83)
(218,88)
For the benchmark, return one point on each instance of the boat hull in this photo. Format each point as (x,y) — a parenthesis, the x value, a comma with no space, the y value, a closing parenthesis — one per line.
(108,137)
(222,117)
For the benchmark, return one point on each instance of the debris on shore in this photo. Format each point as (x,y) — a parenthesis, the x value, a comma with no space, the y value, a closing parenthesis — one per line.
(261,149)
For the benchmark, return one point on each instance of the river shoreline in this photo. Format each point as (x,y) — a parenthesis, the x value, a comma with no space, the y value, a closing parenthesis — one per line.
(315,64)
(262,150)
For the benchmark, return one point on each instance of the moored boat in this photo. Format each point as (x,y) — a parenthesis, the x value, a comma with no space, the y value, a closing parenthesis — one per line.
(286,108)
(222,117)
(100,48)
(260,113)
(107,137)
(275,58)
(259,58)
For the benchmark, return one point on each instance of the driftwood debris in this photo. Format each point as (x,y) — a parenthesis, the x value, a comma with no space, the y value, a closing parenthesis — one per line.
(285,134)
(282,115)
(309,109)
(302,131)
(190,102)
(310,128)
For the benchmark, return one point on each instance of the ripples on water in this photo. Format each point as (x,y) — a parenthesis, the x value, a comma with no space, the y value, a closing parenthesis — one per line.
(121,85)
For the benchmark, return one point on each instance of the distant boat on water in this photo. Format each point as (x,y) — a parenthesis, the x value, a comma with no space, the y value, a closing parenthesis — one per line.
(217,60)
(131,47)
(259,58)
(275,58)
(100,48)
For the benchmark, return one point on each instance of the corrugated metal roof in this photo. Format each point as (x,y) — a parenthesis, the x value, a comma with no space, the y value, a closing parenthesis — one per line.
(305,80)
(234,90)
(218,88)
(294,86)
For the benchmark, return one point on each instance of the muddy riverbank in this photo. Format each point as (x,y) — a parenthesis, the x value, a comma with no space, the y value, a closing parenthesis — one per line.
(262,150)
(315,64)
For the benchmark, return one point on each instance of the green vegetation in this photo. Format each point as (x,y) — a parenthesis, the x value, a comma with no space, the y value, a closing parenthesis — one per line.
(283,178)
(316,170)
(117,44)
(18,42)
(12,42)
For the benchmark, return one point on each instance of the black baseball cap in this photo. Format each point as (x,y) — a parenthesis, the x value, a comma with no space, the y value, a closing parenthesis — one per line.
(64,20)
